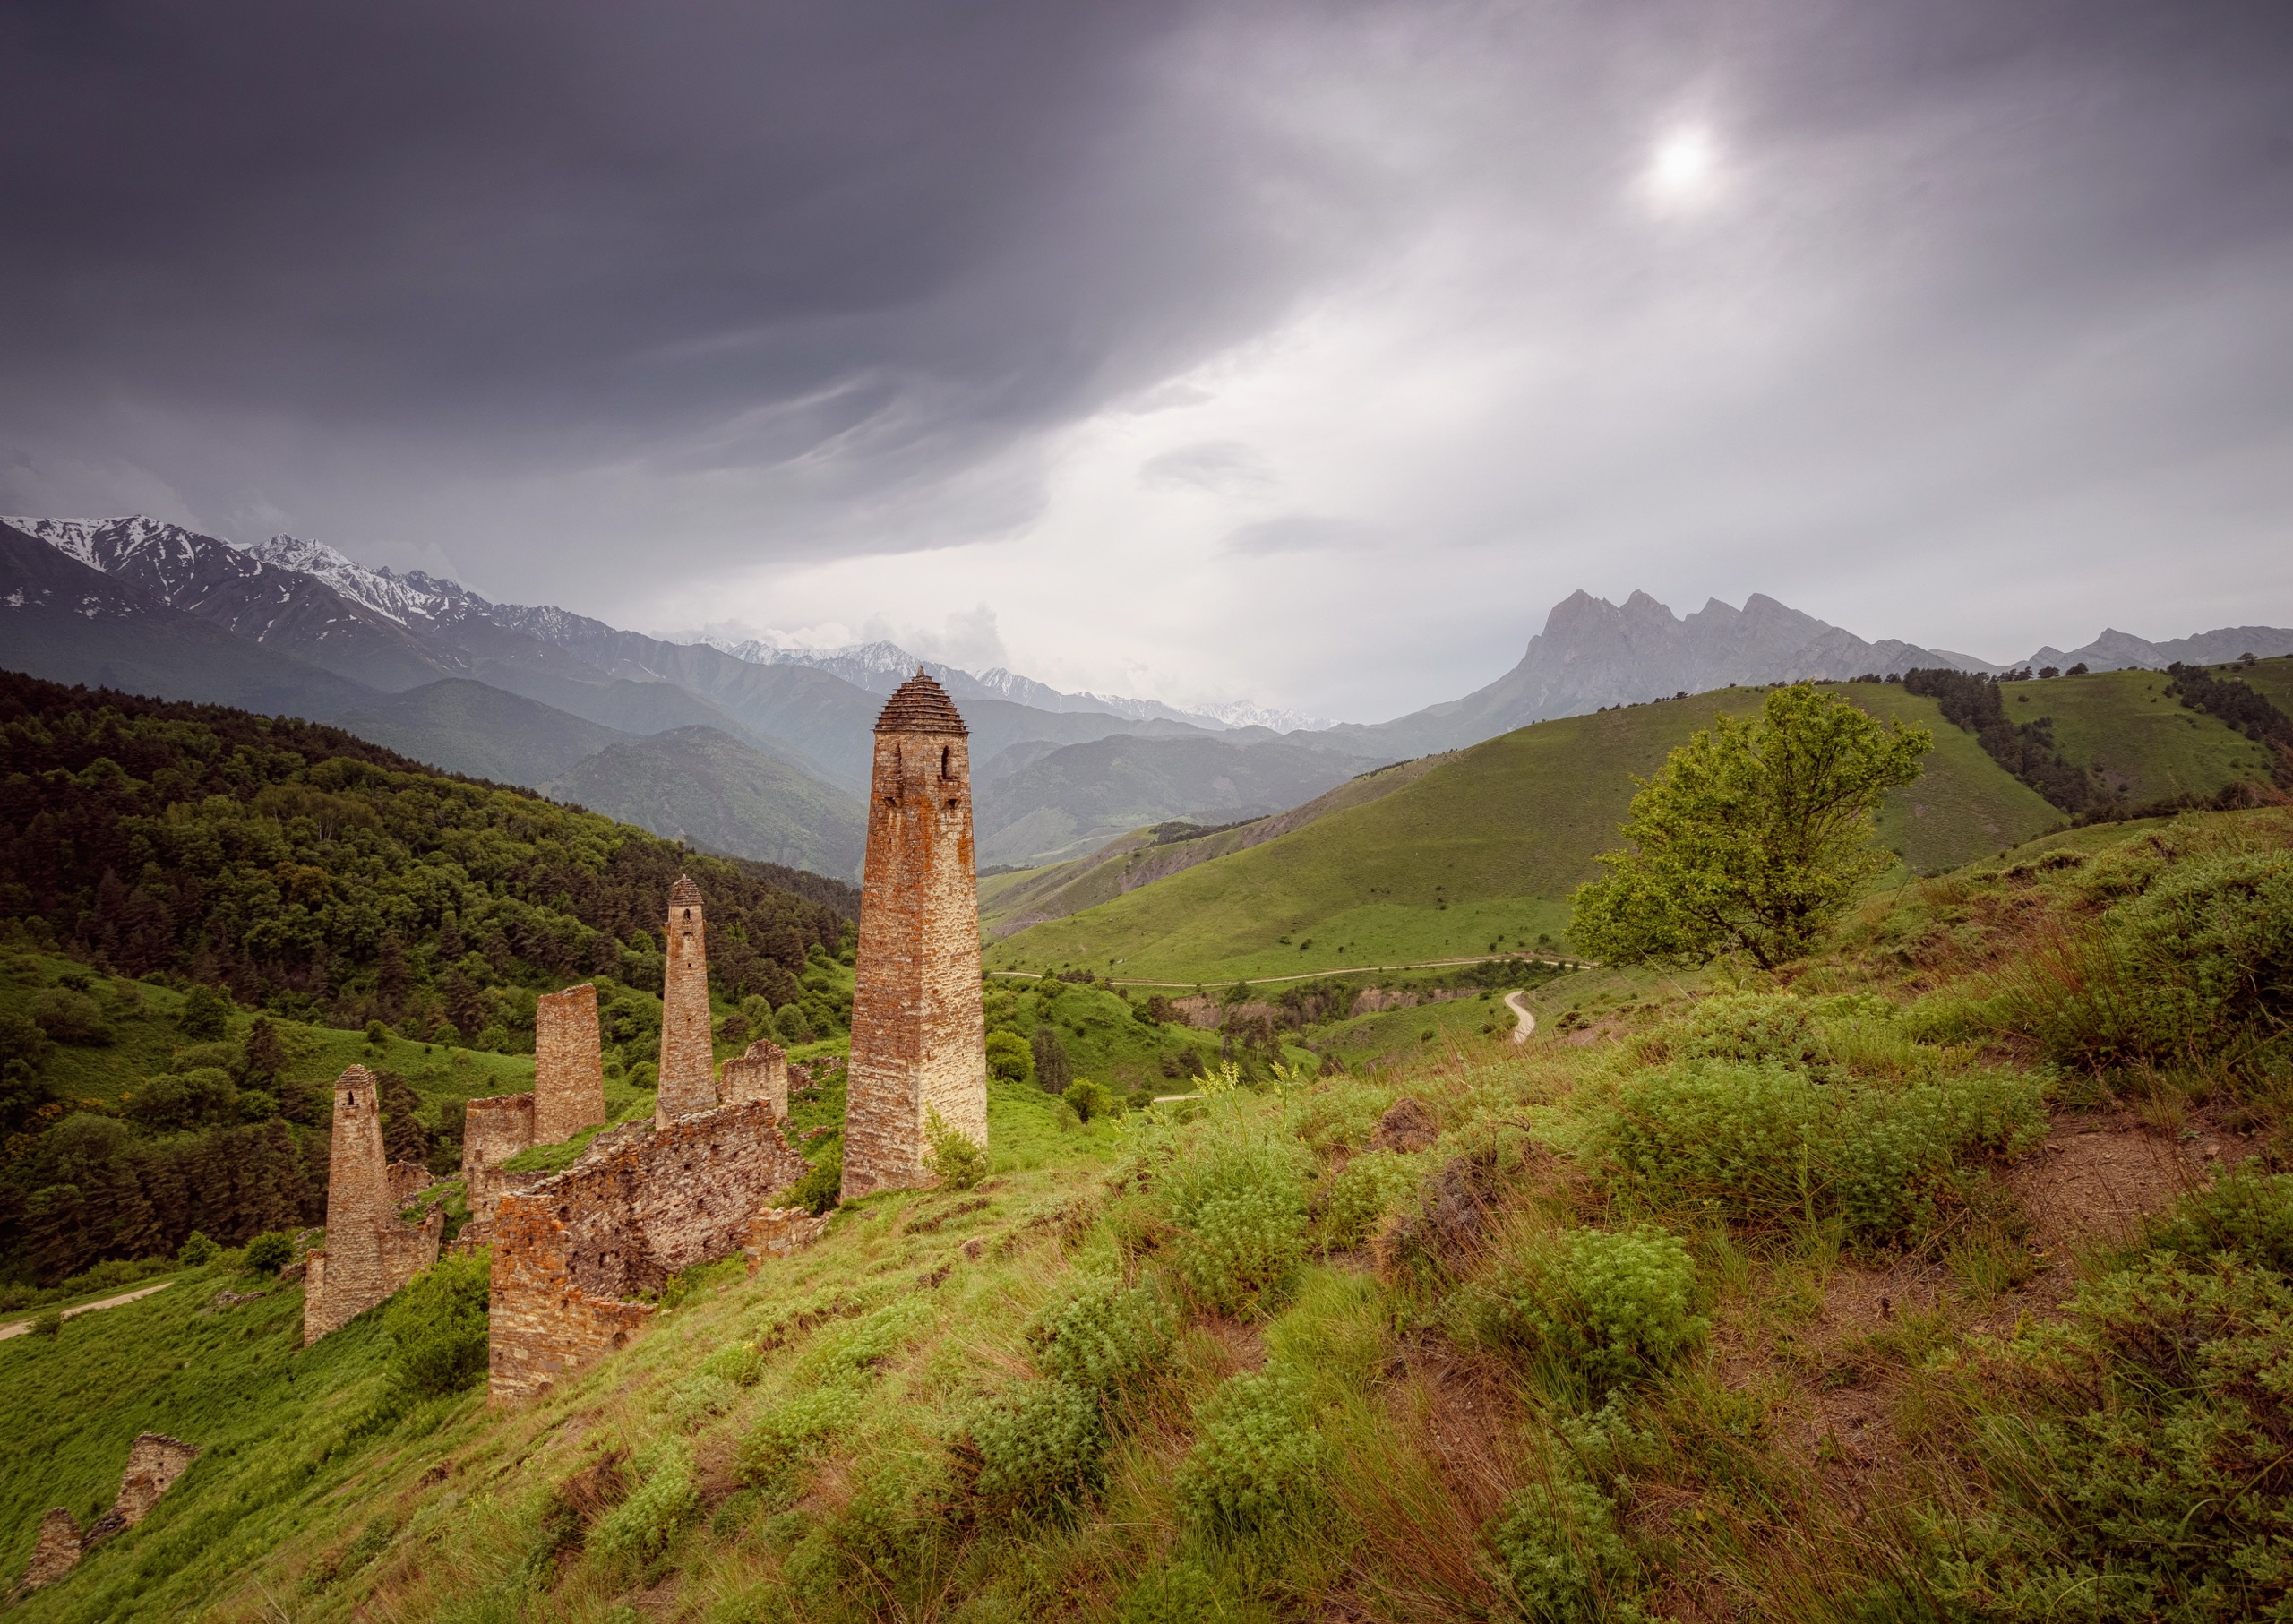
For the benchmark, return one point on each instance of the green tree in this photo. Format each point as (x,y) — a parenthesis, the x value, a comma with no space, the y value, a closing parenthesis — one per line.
(1010,1058)
(1753,837)
(205,1014)
(437,1325)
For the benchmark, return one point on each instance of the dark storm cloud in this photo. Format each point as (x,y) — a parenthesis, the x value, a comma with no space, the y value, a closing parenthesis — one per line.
(650,292)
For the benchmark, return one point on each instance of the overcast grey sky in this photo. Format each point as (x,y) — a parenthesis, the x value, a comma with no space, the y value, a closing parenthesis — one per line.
(1304,353)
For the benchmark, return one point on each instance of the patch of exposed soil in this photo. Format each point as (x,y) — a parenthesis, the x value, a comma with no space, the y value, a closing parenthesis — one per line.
(2097,1178)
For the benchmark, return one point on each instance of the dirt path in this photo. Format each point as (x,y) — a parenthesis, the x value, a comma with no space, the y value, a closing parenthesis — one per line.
(21,1326)
(1526,1023)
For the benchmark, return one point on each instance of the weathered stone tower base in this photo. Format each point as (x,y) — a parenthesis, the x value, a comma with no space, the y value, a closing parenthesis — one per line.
(369,1253)
(919,1038)
(568,1065)
(759,1074)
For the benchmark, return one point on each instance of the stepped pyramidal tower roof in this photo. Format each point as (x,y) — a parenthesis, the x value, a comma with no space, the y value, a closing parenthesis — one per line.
(684,893)
(920,705)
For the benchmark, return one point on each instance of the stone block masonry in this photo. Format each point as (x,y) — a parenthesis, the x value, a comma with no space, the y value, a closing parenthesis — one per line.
(154,1462)
(568,1065)
(688,1055)
(492,1132)
(570,1251)
(761,1073)
(918,1034)
(369,1253)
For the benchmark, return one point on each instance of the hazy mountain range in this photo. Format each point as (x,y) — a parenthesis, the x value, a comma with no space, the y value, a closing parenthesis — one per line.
(763,750)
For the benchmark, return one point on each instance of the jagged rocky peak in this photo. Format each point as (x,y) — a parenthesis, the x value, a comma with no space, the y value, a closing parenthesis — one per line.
(402,597)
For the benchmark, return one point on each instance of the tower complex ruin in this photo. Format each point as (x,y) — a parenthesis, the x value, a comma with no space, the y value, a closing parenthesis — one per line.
(569,1095)
(919,1037)
(688,1058)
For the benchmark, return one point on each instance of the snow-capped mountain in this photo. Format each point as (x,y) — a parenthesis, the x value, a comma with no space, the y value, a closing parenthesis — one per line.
(1242,713)
(402,597)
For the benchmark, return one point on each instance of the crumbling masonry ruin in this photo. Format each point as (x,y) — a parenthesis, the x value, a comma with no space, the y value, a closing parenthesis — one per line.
(154,1462)
(759,1074)
(369,1252)
(919,1037)
(642,1203)
(569,1095)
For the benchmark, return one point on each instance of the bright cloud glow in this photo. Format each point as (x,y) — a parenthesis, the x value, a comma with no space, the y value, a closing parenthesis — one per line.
(1684,170)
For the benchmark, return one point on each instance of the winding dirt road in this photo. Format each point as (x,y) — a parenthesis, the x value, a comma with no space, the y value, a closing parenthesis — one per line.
(22,1326)
(1524,1023)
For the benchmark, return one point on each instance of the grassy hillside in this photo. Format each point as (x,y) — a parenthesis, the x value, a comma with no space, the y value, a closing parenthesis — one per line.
(1481,853)
(2147,745)
(704,786)
(1011,902)
(1858,1298)
(2273,677)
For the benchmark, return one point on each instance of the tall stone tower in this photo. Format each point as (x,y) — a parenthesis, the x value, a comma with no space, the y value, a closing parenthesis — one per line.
(688,1061)
(919,1039)
(368,1253)
(568,1066)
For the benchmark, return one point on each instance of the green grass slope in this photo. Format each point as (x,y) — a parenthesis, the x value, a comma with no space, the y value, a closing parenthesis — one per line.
(2273,678)
(1012,902)
(704,786)
(1481,853)
(2147,745)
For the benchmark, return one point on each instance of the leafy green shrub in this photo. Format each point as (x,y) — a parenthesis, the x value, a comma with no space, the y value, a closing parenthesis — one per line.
(794,1434)
(1104,1337)
(1040,1444)
(197,1250)
(50,1324)
(73,1018)
(206,1015)
(1179,1593)
(738,1363)
(1562,1551)
(641,1527)
(1087,1098)
(1748,1027)
(202,1097)
(270,1252)
(957,1158)
(1254,1461)
(1365,1191)
(1616,1305)
(845,1351)
(437,1325)
(2242,1212)
(700,1396)
(1010,1057)
(1241,1212)
(2198,966)
(2138,1459)
(1766,1144)
(821,1187)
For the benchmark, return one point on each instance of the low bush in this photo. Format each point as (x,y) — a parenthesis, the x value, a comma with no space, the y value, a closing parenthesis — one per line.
(1087,1098)
(270,1252)
(1255,1458)
(1241,1212)
(1365,1189)
(73,1018)
(1104,1337)
(738,1363)
(1563,1552)
(794,1433)
(1040,1445)
(2138,1457)
(1768,1145)
(2243,1212)
(821,1187)
(642,1527)
(957,1158)
(197,1250)
(2195,968)
(437,1325)
(1616,1305)
(1745,1027)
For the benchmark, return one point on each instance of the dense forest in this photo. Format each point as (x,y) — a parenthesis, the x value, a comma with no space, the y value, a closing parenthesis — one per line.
(2026,749)
(322,878)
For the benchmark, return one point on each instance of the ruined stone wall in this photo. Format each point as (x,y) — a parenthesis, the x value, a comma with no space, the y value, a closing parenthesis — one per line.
(918,1034)
(57,1551)
(568,1065)
(154,1462)
(368,1253)
(688,1058)
(492,1132)
(405,1181)
(761,1073)
(569,1250)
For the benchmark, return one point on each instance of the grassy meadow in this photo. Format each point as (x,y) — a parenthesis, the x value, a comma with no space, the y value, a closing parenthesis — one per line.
(2147,745)
(1898,1285)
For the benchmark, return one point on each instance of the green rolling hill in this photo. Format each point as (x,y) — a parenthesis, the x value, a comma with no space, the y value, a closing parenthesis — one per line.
(1481,853)
(2147,745)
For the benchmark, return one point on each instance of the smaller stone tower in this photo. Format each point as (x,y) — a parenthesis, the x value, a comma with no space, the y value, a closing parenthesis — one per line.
(919,1037)
(759,1074)
(688,1058)
(368,1253)
(568,1066)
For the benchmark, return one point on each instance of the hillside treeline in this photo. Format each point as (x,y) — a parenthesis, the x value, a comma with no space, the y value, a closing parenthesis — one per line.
(2240,704)
(323,878)
(2026,749)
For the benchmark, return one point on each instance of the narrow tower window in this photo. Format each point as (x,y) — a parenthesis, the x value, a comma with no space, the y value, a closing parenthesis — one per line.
(945,750)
